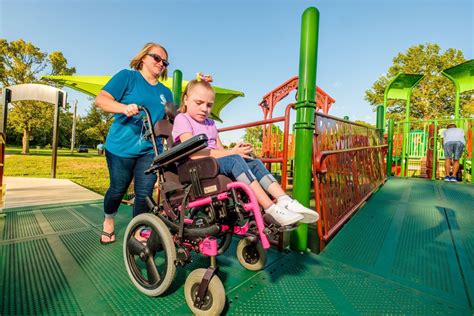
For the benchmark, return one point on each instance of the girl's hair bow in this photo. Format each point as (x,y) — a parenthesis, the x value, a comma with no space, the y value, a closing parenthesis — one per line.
(202,77)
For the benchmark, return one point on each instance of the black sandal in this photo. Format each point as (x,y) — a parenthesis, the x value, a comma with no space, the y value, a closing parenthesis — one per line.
(106,234)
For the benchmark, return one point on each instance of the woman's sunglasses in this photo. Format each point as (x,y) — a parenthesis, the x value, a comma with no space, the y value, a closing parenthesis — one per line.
(157,58)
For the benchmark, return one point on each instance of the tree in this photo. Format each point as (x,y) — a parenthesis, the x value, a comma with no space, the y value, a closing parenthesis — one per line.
(364,123)
(433,97)
(22,62)
(95,125)
(253,135)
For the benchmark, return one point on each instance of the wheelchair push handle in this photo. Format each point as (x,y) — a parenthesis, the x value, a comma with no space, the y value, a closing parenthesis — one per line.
(149,127)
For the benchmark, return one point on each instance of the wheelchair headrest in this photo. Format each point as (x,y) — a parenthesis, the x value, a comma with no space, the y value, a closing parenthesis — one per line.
(164,127)
(170,111)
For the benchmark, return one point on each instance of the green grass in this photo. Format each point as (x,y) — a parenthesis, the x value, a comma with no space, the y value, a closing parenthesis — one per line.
(86,169)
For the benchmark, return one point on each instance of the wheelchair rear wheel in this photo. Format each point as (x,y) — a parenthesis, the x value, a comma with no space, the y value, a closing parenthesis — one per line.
(251,255)
(149,254)
(214,300)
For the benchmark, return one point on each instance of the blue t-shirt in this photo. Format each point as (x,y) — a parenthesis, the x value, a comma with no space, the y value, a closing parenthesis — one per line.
(125,138)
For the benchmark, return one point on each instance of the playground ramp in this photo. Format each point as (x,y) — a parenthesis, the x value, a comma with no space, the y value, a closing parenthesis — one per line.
(409,250)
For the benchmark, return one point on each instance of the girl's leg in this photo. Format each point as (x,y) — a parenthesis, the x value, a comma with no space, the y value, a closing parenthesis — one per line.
(270,184)
(234,166)
(143,184)
(265,178)
(121,175)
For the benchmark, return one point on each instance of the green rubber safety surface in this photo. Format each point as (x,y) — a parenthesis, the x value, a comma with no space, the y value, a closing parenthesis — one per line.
(417,233)
(409,250)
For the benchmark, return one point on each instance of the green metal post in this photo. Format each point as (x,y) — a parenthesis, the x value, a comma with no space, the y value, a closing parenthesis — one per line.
(390,146)
(472,155)
(380,122)
(346,118)
(177,90)
(456,103)
(406,133)
(304,126)
(385,99)
(434,164)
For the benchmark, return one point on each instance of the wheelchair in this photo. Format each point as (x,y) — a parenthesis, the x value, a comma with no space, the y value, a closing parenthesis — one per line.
(198,211)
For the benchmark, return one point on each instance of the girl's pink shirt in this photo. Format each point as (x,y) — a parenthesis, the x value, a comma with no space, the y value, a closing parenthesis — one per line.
(183,123)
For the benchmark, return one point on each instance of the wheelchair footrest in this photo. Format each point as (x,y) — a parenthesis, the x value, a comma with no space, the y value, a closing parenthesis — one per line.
(275,227)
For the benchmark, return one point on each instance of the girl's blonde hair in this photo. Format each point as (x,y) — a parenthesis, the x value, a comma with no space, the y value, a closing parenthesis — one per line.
(137,63)
(190,86)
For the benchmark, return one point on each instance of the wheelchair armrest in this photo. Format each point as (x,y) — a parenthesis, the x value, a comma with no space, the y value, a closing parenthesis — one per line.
(180,151)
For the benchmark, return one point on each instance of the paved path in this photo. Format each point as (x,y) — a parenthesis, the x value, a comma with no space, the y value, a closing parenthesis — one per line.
(23,192)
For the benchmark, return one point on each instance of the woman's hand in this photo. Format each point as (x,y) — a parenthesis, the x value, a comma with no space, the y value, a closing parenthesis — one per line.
(131,110)
(242,149)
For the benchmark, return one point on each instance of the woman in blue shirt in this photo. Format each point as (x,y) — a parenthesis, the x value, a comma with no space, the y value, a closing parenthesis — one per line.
(128,154)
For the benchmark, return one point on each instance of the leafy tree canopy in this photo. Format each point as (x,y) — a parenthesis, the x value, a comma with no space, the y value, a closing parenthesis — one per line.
(434,95)
(22,62)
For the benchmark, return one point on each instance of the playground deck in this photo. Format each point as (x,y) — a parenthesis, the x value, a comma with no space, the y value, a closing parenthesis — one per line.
(409,250)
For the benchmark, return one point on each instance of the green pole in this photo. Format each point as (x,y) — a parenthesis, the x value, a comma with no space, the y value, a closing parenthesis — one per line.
(434,164)
(304,126)
(456,104)
(406,131)
(346,118)
(472,156)
(390,146)
(385,98)
(177,86)
(380,122)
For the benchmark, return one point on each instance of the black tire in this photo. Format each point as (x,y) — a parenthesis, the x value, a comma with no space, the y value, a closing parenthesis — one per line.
(251,255)
(224,242)
(215,296)
(150,265)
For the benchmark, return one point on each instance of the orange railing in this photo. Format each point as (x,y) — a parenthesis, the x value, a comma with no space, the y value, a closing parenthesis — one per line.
(275,156)
(348,166)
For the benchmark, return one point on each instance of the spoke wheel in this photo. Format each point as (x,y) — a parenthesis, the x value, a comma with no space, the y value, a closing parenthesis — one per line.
(150,256)
(251,255)
(214,299)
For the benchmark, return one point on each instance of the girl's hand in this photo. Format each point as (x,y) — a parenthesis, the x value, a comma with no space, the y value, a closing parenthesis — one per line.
(243,150)
(131,110)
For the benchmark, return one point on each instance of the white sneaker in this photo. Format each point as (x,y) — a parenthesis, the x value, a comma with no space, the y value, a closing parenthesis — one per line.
(310,216)
(283,216)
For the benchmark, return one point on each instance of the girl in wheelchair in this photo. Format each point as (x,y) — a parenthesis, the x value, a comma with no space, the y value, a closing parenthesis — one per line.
(236,163)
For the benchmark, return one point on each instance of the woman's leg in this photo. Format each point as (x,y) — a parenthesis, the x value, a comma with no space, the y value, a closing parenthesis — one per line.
(144,184)
(121,175)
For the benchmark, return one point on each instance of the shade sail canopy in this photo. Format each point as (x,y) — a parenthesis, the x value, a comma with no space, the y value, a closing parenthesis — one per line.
(400,87)
(462,75)
(91,85)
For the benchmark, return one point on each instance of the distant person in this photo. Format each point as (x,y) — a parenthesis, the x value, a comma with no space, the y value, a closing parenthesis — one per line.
(237,163)
(100,149)
(128,154)
(453,144)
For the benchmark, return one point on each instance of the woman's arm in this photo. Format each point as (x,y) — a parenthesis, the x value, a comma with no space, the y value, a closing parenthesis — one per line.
(240,149)
(106,102)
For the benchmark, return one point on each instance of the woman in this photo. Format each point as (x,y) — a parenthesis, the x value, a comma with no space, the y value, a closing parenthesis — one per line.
(128,154)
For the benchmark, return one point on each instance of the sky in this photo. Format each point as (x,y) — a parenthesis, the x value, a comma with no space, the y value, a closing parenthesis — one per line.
(249,45)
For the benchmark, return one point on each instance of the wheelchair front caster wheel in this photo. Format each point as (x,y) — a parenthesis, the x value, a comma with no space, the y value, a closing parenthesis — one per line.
(214,299)
(149,254)
(251,255)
